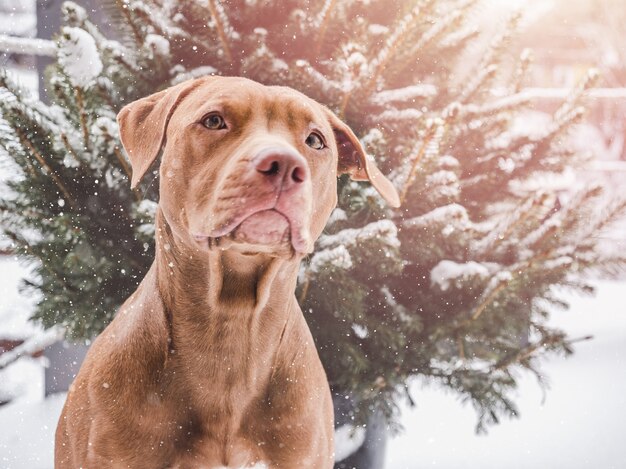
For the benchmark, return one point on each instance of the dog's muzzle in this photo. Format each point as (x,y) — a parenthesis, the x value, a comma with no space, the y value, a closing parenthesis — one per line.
(275,208)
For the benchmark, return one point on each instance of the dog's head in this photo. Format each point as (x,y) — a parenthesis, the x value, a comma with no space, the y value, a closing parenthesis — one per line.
(244,165)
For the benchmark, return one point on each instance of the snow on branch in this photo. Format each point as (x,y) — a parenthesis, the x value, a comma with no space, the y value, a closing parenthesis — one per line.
(447,273)
(452,213)
(27,46)
(384,230)
(395,41)
(79,56)
(408,93)
(424,150)
(348,440)
(181,75)
(337,257)
(399,115)
(225,31)
(494,107)
(32,346)
(319,79)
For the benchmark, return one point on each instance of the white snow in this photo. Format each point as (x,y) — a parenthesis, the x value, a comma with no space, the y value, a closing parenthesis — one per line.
(33,344)
(580,425)
(451,213)
(348,439)
(18,18)
(27,437)
(158,44)
(360,331)
(506,164)
(336,215)
(79,57)
(103,129)
(15,308)
(147,208)
(399,115)
(543,180)
(23,380)
(447,273)
(337,257)
(406,94)
(20,45)
(377,29)
(384,230)
(180,75)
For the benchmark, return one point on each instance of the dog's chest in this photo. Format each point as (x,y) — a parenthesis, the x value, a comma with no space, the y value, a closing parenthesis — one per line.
(212,420)
(211,454)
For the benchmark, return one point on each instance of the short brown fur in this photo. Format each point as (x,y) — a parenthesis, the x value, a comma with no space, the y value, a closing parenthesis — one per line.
(210,363)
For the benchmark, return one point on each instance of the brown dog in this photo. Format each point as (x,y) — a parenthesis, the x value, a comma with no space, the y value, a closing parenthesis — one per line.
(210,363)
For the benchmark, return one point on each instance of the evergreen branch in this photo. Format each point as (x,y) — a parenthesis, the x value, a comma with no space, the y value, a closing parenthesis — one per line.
(488,67)
(506,277)
(461,346)
(488,299)
(20,102)
(569,217)
(526,59)
(57,180)
(345,99)
(458,38)
(394,42)
(430,143)
(563,123)
(321,24)
(479,80)
(317,80)
(531,207)
(545,231)
(439,27)
(124,8)
(615,212)
(221,24)
(83,117)
(103,91)
(576,94)
(68,147)
(527,352)
(389,50)
(122,161)
(43,261)
(167,30)
(508,103)
(75,15)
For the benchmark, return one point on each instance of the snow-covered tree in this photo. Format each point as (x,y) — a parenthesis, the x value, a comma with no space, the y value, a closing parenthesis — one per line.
(455,286)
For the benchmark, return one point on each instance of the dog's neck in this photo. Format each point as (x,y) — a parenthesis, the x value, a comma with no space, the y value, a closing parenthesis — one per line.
(193,281)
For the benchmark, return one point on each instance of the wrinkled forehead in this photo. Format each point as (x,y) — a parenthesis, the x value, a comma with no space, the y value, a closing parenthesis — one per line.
(242,100)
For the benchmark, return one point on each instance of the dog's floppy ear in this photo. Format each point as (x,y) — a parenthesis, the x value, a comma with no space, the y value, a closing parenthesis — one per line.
(143,125)
(354,161)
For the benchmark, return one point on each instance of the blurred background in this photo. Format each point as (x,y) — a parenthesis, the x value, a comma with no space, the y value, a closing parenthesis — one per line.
(580,422)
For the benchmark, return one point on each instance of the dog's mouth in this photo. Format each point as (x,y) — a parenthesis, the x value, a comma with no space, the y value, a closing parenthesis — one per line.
(265,231)
(267,228)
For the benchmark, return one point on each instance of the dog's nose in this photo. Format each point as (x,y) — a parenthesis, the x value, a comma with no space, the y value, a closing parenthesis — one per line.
(283,167)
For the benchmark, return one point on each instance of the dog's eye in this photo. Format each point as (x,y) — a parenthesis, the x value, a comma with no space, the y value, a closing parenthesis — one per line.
(214,122)
(314,140)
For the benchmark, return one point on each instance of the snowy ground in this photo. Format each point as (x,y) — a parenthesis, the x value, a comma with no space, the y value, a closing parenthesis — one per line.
(581,424)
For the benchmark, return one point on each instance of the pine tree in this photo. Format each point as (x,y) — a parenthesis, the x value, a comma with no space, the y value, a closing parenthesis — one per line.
(454,287)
